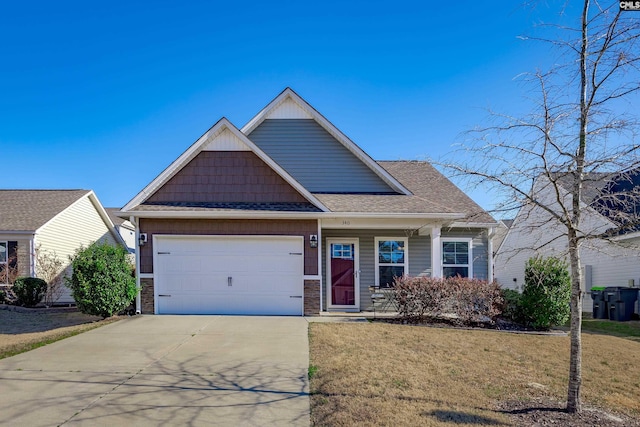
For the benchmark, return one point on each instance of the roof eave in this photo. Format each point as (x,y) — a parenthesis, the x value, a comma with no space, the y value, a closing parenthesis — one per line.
(471,224)
(288,215)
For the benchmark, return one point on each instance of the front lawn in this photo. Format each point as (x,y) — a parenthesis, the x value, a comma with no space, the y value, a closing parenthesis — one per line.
(391,374)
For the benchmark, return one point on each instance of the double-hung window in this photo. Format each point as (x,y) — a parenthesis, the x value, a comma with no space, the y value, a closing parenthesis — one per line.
(391,259)
(457,257)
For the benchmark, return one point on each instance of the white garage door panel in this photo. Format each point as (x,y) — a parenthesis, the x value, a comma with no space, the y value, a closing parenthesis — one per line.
(192,275)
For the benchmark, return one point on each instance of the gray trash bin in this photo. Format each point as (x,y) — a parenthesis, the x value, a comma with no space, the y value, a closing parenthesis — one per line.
(600,309)
(621,302)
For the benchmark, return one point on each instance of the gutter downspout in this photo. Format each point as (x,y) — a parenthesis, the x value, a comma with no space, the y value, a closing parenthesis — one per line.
(134,220)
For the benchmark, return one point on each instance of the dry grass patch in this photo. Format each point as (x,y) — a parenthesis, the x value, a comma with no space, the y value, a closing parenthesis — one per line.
(389,374)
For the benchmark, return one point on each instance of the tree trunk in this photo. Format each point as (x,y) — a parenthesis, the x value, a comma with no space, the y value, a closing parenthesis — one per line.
(574,403)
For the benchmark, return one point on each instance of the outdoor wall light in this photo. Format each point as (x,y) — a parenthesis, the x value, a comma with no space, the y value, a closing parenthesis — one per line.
(142,239)
(313,240)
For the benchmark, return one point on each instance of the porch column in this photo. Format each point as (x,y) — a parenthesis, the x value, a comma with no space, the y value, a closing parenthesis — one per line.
(436,252)
(490,234)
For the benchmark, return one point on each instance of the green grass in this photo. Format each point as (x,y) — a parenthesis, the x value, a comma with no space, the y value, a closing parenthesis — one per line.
(629,330)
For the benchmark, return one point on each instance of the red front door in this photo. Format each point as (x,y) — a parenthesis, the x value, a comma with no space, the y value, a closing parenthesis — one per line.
(343,289)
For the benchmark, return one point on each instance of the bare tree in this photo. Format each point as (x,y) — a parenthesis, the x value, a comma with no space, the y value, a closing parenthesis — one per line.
(51,269)
(579,135)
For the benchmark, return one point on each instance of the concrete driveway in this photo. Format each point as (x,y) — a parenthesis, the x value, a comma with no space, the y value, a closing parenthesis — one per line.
(164,370)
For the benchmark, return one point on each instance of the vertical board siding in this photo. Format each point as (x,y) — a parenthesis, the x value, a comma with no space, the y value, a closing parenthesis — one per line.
(79,225)
(419,248)
(315,158)
(480,245)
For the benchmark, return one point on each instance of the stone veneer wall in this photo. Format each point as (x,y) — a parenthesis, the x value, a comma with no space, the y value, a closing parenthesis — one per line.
(146,296)
(311,297)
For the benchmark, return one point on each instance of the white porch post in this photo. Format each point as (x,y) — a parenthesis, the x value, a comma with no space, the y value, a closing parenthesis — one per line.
(490,234)
(436,252)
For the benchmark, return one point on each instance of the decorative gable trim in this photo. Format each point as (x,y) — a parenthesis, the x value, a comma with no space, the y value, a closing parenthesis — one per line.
(288,109)
(225,141)
(289,104)
(222,136)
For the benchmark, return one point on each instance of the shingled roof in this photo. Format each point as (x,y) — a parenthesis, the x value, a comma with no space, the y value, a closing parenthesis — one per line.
(432,194)
(28,210)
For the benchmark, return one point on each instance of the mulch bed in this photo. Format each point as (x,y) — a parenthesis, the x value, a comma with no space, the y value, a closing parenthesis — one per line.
(445,322)
(548,412)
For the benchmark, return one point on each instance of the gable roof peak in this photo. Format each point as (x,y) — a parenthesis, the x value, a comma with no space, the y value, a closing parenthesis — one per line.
(222,136)
(271,111)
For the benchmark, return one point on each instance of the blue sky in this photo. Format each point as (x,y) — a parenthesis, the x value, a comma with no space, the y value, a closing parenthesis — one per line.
(105,96)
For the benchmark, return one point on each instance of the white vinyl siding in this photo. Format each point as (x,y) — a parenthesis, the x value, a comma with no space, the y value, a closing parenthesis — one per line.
(533,233)
(78,225)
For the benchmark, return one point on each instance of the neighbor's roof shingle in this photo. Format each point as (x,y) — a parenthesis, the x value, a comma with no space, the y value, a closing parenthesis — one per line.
(28,210)
(432,193)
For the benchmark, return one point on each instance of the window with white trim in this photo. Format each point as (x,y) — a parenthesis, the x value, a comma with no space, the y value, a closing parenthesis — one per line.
(391,260)
(457,257)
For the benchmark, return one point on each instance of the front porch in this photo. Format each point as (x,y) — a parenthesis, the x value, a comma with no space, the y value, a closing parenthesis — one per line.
(358,263)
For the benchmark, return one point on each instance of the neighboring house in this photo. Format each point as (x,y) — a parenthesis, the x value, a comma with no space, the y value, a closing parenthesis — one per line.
(52,221)
(287,216)
(605,261)
(125,228)
(500,233)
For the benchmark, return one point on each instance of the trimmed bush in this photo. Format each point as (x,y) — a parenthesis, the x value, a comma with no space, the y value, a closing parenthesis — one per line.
(511,305)
(468,300)
(29,291)
(102,283)
(546,294)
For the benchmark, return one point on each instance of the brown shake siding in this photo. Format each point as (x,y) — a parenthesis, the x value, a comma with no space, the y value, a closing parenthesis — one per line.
(225,177)
(261,227)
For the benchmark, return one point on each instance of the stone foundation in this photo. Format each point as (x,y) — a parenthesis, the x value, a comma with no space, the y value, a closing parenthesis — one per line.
(146,296)
(311,297)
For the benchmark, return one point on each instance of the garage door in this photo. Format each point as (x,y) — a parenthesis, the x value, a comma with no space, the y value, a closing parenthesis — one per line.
(229,275)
